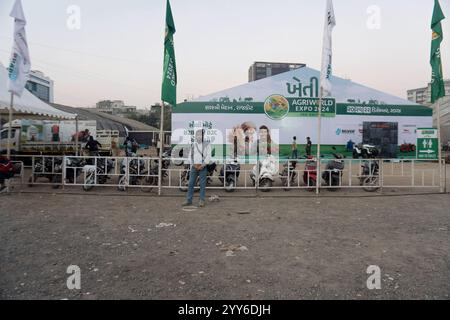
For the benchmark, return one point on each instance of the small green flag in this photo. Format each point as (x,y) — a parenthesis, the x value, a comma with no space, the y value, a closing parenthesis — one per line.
(169,85)
(437,77)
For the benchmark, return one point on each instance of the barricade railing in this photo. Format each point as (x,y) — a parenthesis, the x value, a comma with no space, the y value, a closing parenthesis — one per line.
(414,173)
(120,172)
(288,174)
(46,170)
(177,177)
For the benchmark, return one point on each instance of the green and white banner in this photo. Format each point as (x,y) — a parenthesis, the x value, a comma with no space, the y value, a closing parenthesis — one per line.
(289,117)
(287,105)
(276,107)
(169,84)
(437,77)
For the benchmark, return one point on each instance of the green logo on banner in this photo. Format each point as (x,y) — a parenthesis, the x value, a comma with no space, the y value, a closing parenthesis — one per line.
(276,107)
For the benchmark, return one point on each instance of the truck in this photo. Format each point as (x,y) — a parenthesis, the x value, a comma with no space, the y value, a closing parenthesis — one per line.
(53,137)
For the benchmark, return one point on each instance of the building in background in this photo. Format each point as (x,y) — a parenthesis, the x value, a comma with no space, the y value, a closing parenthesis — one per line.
(41,86)
(115,107)
(423,95)
(445,118)
(108,106)
(261,70)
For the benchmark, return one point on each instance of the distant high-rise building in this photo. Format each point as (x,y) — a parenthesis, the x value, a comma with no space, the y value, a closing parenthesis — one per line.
(261,70)
(41,86)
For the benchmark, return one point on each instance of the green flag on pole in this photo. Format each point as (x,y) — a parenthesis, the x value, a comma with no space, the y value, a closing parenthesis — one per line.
(169,85)
(437,77)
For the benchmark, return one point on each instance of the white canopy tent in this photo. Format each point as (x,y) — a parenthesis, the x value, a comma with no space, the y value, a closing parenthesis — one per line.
(343,89)
(28,103)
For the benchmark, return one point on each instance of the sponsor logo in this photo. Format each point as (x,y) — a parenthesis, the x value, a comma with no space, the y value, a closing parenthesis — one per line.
(276,107)
(340,131)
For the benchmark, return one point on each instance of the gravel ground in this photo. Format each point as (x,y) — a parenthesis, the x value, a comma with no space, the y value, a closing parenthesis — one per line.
(144,247)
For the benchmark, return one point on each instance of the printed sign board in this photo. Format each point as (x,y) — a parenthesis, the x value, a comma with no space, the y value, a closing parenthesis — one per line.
(427,144)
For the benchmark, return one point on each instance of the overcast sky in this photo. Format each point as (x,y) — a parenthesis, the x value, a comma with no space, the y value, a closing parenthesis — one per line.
(117,53)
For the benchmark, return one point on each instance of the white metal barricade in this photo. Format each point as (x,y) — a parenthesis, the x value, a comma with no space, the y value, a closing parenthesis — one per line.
(299,174)
(119,172)
(46,170)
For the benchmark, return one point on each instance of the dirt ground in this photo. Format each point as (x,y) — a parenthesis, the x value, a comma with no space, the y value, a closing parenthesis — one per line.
(144,247)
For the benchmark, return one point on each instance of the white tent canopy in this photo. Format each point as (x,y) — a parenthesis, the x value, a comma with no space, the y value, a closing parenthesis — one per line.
(28,103)
(343,90)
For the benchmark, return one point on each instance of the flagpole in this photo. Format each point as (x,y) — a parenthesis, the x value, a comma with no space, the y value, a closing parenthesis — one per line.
(161,140)
(76,136)
(8,143)
(438,115)
(319,137)
(437,85)
(325,75)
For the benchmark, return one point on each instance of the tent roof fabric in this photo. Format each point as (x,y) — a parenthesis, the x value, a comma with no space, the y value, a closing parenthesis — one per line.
(342,90)
(28,103)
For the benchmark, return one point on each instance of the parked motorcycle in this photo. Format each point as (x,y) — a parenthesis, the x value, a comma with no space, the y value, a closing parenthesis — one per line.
(139,175)
(229,175)
(289,175)
(73,170)
(310,173)
(370,175)
(334,172)
(154,171)
(7,172)
(46,167)
(101,171)
(364,151)
(184,177)
(135,174)
(267,170)
(212,168)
